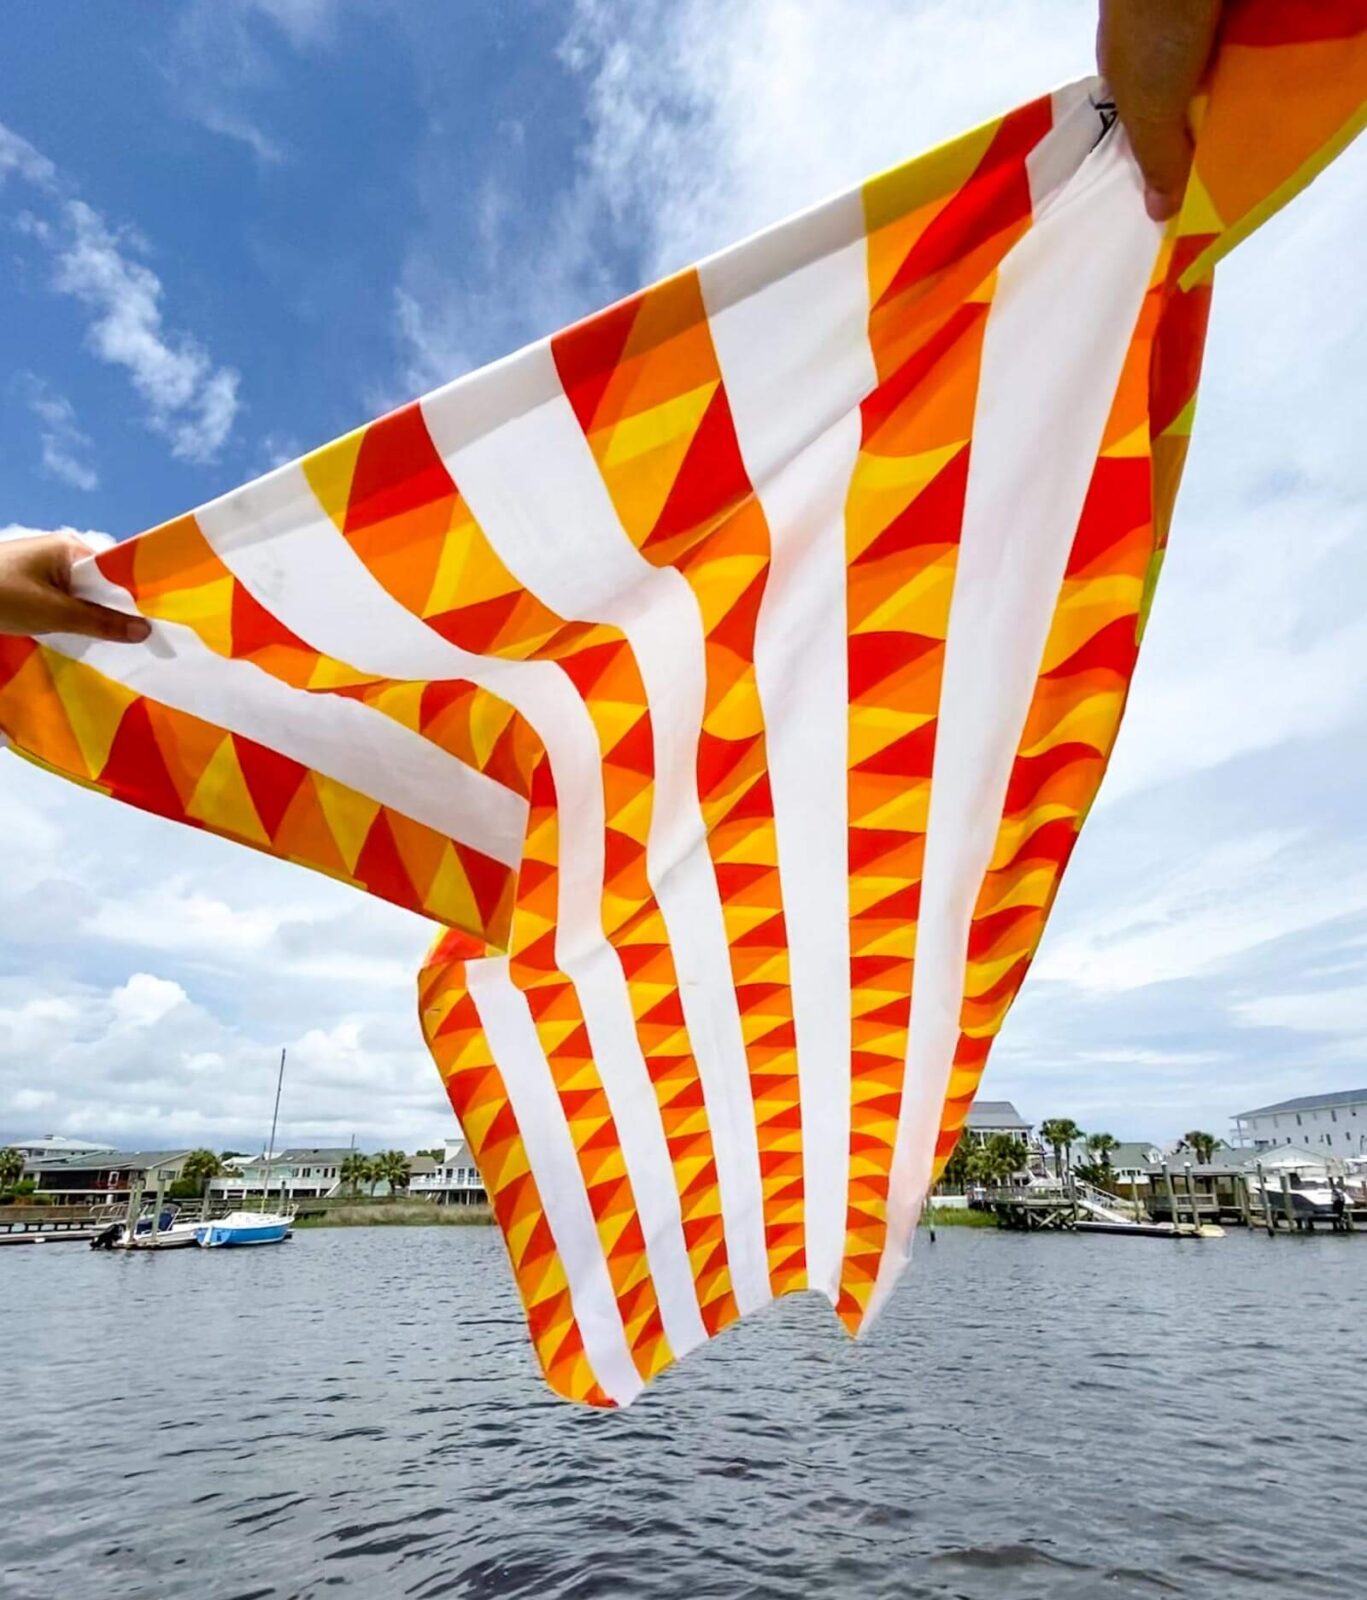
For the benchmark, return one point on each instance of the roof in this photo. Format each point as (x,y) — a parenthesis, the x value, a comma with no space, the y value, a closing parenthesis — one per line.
(1135,1153)
(60,1143)
(994,1114)
(1289,1155)
(420,1164)
(1310,1102)
(109,1161)
(328,1154)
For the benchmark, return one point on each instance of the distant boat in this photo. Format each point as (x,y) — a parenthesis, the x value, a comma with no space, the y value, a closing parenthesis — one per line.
(244,1227)
(171,1232)
(252,1227)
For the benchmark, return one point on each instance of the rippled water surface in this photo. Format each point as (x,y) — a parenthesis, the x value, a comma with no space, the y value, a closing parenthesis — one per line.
(358,1413)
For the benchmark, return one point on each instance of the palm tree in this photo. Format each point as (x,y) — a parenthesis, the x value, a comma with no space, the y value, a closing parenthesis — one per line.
(354,1171)
(11,1167)
(956,1170)
(1202,1145)
(999,1159)
(392,1166)
(1062,1133)
(1099,1147)
(200,1166)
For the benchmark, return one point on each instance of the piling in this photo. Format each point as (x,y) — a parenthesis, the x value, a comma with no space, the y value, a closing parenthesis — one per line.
(1241,1195)
(158,1200)
(1287,1207)
(1269,1221)
(1172,1193)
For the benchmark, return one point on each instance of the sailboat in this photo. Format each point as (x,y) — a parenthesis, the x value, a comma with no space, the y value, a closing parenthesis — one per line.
(253,1227)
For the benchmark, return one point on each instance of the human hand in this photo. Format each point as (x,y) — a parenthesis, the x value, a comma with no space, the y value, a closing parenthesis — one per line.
(1152,53)
(36,597)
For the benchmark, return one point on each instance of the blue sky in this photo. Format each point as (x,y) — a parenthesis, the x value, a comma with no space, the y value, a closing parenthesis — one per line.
(231,229)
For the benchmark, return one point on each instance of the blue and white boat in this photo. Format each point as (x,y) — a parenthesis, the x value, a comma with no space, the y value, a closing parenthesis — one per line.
(245,1227)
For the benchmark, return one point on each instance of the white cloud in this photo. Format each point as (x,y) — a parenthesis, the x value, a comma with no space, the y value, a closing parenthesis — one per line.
(1317,1011)
(305,22)
(110,918)
(704,122)
(233,124)
(65,446)
(189,399)
(18,158)
(224,60)
(145,999)
(1234,898)
(710,120)
(95,539)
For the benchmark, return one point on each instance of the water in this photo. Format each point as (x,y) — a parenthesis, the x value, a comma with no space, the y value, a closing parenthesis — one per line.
(357,1413)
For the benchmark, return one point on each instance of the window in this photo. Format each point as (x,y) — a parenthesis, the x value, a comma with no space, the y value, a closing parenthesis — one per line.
(1298,1120)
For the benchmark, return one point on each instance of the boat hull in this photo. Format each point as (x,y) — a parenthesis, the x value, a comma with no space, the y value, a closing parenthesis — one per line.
(236,1231)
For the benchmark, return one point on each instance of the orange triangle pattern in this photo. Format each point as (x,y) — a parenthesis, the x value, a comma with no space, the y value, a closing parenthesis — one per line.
(396,504)
(931,276)
(66,715)
(646,386)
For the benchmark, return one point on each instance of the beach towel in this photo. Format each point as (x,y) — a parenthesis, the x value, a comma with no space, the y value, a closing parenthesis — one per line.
(728,678)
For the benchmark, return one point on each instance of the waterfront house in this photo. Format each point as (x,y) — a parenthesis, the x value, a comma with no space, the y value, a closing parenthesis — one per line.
(453,1181)
(87,1179)
(303,1172)
(988,1117)
(1335,1124)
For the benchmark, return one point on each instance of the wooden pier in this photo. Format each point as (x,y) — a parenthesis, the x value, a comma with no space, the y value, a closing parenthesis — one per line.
(55,1224)
(1181,1206)
(1068,1209)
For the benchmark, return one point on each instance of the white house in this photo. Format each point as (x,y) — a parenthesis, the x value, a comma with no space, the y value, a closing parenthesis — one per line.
(988,1117)
(454,1181)
(308,1172)
(1329,1124)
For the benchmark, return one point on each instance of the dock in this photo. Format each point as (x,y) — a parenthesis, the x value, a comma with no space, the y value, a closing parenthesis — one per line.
(55,1224)
(1194,1204)
(1077,1207)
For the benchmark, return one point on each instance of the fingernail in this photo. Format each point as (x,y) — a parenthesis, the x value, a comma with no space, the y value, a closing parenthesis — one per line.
(136,629)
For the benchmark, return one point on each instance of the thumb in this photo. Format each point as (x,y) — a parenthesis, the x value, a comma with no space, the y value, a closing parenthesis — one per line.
(1162,147)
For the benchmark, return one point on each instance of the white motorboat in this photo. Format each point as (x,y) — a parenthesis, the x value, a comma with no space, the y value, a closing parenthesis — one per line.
(165,1230)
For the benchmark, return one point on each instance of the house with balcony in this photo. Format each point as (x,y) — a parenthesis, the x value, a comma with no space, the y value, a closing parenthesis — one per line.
(303,1172)
(452,1181)
(1332,1124)
(988,1117)
(90,1178)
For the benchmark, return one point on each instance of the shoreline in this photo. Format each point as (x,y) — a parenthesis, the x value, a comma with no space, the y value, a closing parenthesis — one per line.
(955,1217)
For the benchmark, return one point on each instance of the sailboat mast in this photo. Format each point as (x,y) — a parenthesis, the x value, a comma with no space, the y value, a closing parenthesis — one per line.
(275,1118)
